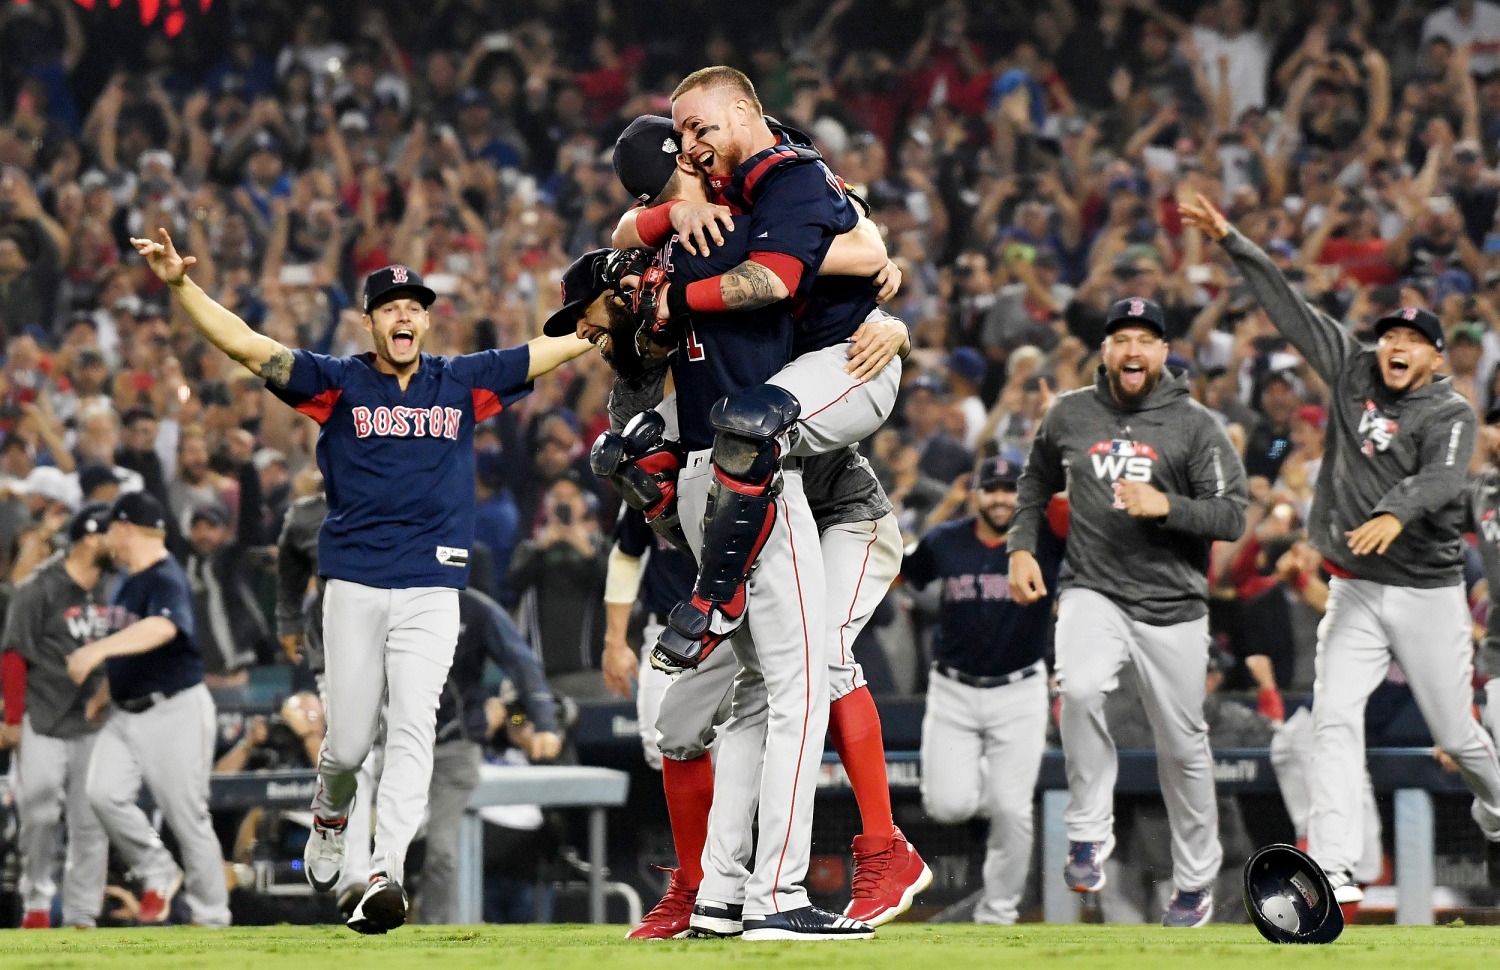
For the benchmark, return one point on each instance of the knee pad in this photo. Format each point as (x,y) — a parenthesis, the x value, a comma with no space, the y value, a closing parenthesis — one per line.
(746,425)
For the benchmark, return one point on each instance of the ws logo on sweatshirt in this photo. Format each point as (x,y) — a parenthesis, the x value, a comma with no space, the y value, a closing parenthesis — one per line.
(1120,460)
(1376,429)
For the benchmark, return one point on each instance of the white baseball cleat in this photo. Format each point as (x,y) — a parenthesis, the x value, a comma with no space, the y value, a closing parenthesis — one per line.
(323,859)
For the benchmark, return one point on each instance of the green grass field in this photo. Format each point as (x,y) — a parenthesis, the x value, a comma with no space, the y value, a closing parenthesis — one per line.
(901,947)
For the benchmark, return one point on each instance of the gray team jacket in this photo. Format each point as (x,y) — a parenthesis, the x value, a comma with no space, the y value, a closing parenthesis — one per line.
(50,616)
(296,566)
(1403,454)
(1156,570)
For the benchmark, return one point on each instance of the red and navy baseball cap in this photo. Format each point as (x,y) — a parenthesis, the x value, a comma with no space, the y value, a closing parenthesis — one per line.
(138,508)
(581,285)
(646,156)
(387,284)
(1422,321)
(1136,311)
(998,472)
(91,520)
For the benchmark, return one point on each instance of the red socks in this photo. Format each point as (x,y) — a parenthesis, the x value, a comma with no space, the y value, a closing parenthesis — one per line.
(854,725)
(690,794)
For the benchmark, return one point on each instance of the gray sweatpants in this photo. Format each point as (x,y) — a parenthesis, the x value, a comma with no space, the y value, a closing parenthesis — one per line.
(455,774)
(52,778)
(1095,640)
(981,754)
(171,747)
(393,646)
(1428,632)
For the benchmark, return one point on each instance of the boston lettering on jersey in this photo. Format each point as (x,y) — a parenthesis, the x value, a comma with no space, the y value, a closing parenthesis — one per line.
(398,466)
(981,630)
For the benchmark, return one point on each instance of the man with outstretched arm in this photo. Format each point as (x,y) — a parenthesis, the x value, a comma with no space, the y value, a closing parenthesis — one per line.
(1388,516)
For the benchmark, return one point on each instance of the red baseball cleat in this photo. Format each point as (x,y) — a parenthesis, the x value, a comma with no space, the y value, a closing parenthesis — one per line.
(886,879)
(156,901)
(36,919)
(668,920)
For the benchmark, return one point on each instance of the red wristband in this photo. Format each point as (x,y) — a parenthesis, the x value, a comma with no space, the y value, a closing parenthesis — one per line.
(1301,582)
(704,296)
(654,225)
(13,686)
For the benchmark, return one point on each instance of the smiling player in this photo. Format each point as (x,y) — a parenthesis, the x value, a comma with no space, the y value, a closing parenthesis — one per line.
(397,454)
(1388,517)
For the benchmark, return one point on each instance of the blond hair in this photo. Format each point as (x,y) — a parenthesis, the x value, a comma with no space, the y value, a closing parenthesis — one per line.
(719,77)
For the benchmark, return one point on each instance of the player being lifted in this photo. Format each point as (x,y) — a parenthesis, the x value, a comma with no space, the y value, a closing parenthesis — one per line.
(397,455)
(1388,516)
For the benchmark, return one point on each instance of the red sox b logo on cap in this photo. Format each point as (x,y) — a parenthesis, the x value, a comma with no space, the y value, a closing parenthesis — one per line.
(398,274)
(1410,313)
(1137,307)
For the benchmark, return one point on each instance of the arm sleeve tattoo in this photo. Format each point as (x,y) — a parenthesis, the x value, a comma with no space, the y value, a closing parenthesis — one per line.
(278,370)
(749,286)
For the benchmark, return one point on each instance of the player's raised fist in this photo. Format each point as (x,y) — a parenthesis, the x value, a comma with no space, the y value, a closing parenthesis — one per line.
(163,258)
(1204,216)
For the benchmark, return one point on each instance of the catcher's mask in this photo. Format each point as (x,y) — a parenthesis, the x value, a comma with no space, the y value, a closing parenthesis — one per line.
(1289,898)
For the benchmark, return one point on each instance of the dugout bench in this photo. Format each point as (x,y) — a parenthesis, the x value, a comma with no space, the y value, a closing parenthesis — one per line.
(550,786)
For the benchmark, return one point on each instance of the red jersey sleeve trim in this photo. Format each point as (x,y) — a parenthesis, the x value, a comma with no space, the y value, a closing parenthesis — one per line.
(320,406)
(787,268)
(486,404)
(13,686)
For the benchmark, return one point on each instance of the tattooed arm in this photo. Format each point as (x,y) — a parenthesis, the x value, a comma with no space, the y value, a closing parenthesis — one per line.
(750,286)
(264,357)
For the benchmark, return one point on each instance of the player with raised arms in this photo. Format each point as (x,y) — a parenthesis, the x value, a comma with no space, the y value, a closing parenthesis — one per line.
(396,450)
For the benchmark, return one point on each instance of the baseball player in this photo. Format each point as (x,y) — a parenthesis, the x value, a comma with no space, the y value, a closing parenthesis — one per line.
(795,208)
(397,456)
(1151,482)
(1388,517)
(53,612)
(888,872)
(162,729)
(986,723)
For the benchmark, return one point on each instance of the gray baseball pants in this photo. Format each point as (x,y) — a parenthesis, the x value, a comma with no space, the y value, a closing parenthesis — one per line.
(1428,632)
(1095,640)
(170,746)
(51,784)
(391,646)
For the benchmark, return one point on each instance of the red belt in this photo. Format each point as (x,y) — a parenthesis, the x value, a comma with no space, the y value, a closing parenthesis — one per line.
(1333,569)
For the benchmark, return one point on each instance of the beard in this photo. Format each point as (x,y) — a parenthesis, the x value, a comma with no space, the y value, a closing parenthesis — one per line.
(1129,397)
(999,521)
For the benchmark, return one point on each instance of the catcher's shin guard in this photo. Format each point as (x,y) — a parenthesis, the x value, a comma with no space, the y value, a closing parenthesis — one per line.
(739,518)
(643,466)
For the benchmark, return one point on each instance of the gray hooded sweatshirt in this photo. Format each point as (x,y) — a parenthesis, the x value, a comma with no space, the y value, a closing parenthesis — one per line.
(1403,454)
(1155,570)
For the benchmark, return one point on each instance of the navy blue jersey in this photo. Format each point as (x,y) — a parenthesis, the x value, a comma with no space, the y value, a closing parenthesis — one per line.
(722,352)
(399,468)
(981,630)
(669,574)
(797,207)
(158,590)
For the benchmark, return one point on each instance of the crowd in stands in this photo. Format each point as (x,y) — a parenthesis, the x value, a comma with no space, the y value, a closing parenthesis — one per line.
(1024,160)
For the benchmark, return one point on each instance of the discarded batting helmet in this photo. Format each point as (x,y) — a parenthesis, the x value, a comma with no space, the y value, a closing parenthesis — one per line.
(1289,899)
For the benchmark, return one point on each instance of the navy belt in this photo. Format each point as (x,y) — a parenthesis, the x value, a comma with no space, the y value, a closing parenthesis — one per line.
(139,705)
(970,680)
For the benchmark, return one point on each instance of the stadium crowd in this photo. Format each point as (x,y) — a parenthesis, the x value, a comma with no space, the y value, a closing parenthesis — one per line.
(1024,160)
